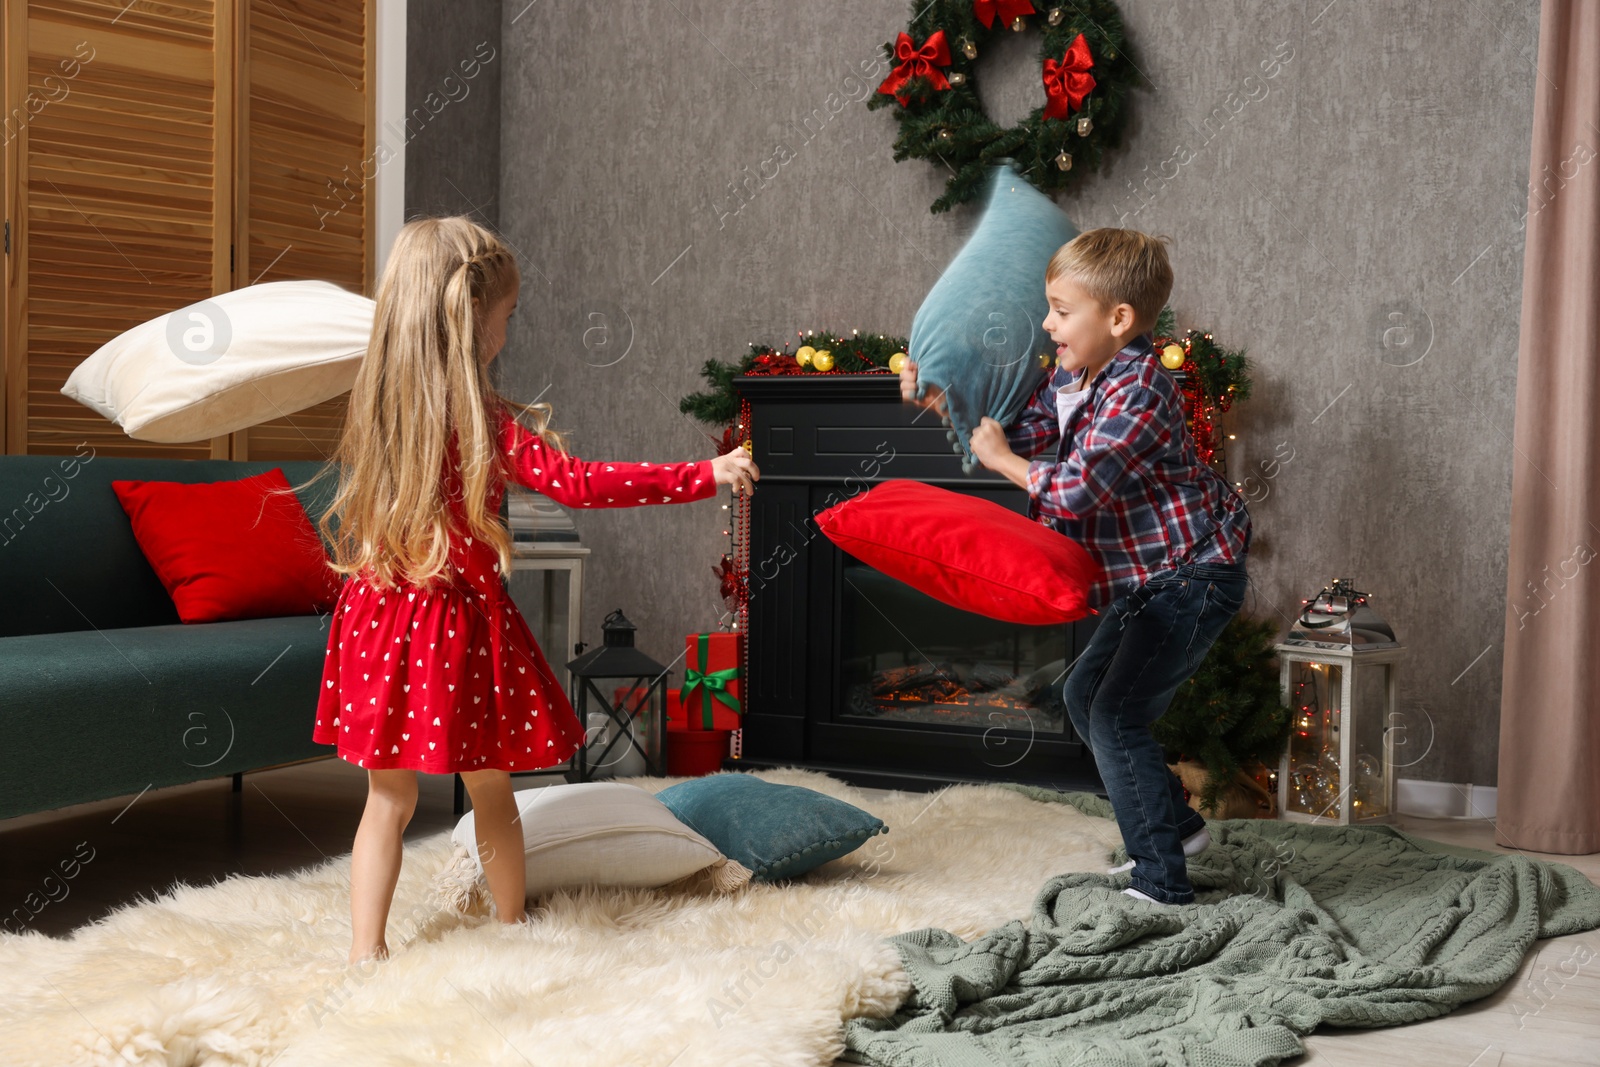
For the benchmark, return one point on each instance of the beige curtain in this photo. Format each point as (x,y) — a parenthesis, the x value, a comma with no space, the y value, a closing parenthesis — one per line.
(1549,786)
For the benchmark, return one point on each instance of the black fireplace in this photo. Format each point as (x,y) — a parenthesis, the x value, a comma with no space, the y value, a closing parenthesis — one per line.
(859,675)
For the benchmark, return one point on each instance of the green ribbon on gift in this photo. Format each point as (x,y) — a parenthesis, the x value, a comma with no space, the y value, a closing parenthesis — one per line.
(715,683)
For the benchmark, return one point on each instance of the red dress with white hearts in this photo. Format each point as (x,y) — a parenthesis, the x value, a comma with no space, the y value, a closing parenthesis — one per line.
(452,680)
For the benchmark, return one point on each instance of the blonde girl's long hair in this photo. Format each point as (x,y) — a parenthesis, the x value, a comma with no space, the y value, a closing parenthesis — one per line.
(423,380)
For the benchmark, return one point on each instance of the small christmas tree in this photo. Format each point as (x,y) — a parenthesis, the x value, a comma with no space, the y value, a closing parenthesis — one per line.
(1230,715)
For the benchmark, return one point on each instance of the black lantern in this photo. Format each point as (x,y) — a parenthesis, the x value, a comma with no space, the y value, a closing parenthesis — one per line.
(636,704)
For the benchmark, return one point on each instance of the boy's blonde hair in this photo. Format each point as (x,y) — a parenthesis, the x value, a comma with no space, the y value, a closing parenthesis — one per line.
(423,380)
(1117,266)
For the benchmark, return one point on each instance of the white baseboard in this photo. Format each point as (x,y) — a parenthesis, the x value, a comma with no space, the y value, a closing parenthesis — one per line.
(1444,800)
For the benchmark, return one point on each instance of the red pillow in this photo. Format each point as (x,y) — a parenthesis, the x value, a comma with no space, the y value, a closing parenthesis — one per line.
(231,550)
(970,553)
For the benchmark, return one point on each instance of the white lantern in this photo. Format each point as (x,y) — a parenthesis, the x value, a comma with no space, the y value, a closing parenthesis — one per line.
(1338,673)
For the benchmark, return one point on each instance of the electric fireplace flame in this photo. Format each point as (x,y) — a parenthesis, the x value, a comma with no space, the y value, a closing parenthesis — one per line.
(959,695)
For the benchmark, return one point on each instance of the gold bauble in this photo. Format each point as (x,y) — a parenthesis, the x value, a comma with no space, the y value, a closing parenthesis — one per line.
(897,362)
(823,360)
(749,446)
(1172,356)
(804,355)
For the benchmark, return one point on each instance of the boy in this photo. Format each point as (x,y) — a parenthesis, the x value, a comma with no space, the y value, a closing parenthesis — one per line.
(1124,481)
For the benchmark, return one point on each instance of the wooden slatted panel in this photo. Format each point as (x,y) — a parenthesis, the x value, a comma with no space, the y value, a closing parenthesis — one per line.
(120,214)
(12,26)
(307,158)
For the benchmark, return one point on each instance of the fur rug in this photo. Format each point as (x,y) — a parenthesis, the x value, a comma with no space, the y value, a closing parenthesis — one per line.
(252,970)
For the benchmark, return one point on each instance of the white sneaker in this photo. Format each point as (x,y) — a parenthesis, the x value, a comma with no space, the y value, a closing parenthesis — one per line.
(1193,845)
(1135,894)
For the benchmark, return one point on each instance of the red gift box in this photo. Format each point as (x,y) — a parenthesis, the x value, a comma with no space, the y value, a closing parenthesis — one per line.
(691,751)
(694,753)
(712,683)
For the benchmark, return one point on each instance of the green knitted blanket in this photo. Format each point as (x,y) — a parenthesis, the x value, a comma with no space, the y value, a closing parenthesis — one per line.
(1294,926)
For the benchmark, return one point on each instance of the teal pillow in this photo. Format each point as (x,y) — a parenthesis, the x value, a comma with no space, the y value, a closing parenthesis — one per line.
(778,831)
(980,330)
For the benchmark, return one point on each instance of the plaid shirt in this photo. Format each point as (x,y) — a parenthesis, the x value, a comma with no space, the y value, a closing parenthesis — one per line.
(1125,481)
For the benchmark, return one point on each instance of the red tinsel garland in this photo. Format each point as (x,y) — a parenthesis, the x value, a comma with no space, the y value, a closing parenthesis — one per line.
(1199,412)
(741,519)
(784,363)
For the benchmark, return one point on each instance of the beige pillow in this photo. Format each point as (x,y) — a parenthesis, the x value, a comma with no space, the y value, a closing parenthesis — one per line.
(592,833)
(229,362)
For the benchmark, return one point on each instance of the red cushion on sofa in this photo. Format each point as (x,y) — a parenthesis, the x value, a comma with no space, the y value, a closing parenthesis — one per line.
(968,552)
(231,550)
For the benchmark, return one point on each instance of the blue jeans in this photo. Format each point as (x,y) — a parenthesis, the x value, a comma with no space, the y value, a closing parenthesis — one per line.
(1148,643)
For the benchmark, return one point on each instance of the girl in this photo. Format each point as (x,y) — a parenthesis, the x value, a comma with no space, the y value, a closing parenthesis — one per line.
(429,666)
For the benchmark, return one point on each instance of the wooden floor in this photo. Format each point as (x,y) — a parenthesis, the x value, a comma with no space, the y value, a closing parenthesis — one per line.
(291,817)
(281,820)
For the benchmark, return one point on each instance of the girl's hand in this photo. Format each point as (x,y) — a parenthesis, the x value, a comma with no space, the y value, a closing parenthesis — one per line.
(738,470)
(934,397)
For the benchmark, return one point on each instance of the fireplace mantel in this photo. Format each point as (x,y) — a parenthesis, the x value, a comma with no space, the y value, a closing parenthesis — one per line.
(820,439)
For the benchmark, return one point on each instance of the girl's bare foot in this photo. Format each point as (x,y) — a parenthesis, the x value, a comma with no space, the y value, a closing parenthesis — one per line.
(377,955)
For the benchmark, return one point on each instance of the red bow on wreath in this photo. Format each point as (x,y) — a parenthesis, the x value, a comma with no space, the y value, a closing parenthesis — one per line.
(917,63)
(1068,82)
(1008,10)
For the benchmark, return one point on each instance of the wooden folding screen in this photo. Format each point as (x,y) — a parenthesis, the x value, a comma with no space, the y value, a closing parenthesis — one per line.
(157,154)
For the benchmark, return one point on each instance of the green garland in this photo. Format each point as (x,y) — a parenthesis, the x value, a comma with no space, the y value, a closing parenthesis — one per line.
(948,126)
(718,405)
(1230,713)
(1223,374)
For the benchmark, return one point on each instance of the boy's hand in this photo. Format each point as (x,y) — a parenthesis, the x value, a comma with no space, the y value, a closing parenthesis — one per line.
(908,390)
(738,470)
(989,444)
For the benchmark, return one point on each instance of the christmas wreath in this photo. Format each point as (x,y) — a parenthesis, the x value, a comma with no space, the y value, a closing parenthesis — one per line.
(1084,67)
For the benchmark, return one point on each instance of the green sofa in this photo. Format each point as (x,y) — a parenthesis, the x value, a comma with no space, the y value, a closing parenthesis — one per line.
(103,692)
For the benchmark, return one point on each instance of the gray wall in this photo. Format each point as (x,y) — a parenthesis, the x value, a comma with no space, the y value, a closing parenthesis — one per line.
(1380,172)
(453,65)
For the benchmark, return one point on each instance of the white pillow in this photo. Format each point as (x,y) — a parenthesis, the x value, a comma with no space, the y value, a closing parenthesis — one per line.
(592,833)
(235,360)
